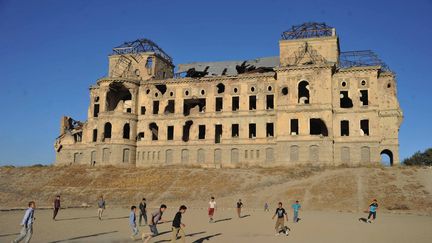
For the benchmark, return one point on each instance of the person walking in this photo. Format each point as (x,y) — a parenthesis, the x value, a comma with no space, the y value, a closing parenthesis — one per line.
(372,211)
(280,213)
(101,207)
(239,207)
(212,209)
(56,206)
(132,222)
(178,226)
(156,217)
(296,207)
(27,224)
(143,211)
(266,207)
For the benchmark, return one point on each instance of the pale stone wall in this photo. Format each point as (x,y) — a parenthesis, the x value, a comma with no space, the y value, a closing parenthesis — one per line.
(325,82)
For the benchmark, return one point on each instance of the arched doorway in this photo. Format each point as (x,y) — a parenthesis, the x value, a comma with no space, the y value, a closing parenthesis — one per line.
(387,157)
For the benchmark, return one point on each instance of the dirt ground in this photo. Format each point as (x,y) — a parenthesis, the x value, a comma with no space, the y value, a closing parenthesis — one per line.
(82,225)
(398,189)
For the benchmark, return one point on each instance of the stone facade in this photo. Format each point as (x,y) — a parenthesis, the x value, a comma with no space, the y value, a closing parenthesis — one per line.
(309,109)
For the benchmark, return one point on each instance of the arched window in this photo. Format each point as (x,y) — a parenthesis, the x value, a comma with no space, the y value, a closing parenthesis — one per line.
(303,92)
(126,131)
(387,157)
(107,130)
(149,65)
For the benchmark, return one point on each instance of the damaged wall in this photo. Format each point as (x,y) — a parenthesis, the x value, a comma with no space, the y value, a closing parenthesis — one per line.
(295,111)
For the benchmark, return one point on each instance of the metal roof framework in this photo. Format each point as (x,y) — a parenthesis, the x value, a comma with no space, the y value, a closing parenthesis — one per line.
(363,58)
(141,45)
(307,30)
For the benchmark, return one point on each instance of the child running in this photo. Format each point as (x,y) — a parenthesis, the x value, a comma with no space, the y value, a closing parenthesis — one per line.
(132,222)
(296,207)
(101,207)
(156,217)
(372,211)
(280,224)
(212,209)
(56,206)
(27,224)
(177,225)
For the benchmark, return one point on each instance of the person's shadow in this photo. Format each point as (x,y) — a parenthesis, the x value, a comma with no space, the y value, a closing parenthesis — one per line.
(221,220)
(201,240)
(245,216)
(187,235)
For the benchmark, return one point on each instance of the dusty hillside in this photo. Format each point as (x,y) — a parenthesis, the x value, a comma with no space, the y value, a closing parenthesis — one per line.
(407,189)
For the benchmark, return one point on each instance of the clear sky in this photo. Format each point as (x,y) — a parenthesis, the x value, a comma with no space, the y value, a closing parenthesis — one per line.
(52,51)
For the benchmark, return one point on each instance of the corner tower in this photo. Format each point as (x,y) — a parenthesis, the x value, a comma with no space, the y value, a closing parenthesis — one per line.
(141,58)
(309,43)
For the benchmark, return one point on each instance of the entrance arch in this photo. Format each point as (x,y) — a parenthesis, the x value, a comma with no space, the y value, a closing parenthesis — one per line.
(387,157)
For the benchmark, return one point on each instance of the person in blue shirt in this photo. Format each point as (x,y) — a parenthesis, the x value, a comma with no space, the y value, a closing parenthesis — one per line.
(27,224)
(296,207)
(372,210)
(132,222)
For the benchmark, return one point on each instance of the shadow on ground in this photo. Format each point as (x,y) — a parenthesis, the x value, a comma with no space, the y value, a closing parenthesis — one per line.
(201,240)
(187,235)
(84,236)
(221,220)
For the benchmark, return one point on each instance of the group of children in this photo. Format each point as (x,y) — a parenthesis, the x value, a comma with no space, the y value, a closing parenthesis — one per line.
(177,225)
(156,217)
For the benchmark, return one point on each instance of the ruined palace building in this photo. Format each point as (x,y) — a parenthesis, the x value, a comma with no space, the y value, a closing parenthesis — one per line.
(312,104)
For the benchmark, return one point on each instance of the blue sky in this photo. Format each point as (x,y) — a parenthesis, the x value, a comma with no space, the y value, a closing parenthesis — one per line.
(52,51)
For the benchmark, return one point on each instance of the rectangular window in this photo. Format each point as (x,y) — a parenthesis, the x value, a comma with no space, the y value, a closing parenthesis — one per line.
(345,101)
(170,108)
(252,102)
(269,102)
(364,126)
(270,130)
(234,130)
(96,110)
(94,135)
(219,103)
(364,97)
(294,127)
(201,131)
(170,133)
(252,130)
(218,133)
(344,128)
(143,110)
(235,103)
(155,107)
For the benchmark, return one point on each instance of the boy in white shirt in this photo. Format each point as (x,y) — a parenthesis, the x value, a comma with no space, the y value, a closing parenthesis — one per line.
(212,208)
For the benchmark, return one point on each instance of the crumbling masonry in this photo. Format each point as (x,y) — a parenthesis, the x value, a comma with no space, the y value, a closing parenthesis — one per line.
(312,104)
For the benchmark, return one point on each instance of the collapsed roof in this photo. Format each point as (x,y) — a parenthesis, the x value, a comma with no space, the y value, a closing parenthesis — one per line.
(347,59)
(227,67)
(360,59)
(141,45)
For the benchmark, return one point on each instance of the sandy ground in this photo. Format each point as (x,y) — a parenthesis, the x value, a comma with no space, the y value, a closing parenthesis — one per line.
(82,225)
